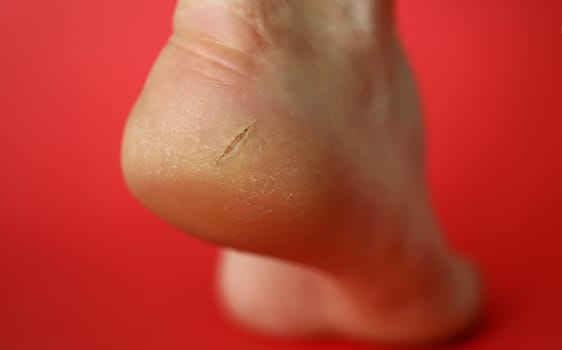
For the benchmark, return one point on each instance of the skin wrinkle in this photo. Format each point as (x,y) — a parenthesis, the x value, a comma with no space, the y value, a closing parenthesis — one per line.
(251,19)
(242,68)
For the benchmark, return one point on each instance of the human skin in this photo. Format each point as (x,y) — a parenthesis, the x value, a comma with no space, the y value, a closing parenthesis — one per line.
(289,132)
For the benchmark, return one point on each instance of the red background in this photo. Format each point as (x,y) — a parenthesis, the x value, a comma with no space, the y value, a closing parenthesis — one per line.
(83,266)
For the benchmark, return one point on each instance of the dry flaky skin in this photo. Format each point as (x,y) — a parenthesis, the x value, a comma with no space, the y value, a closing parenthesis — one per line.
(291,129)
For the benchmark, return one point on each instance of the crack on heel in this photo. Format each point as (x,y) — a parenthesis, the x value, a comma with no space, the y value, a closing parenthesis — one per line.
(236,142)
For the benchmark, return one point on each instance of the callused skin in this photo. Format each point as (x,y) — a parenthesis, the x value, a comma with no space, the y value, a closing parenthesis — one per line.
(291,129)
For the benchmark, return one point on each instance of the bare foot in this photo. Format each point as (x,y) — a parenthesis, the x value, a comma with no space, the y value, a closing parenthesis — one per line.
(290,130)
